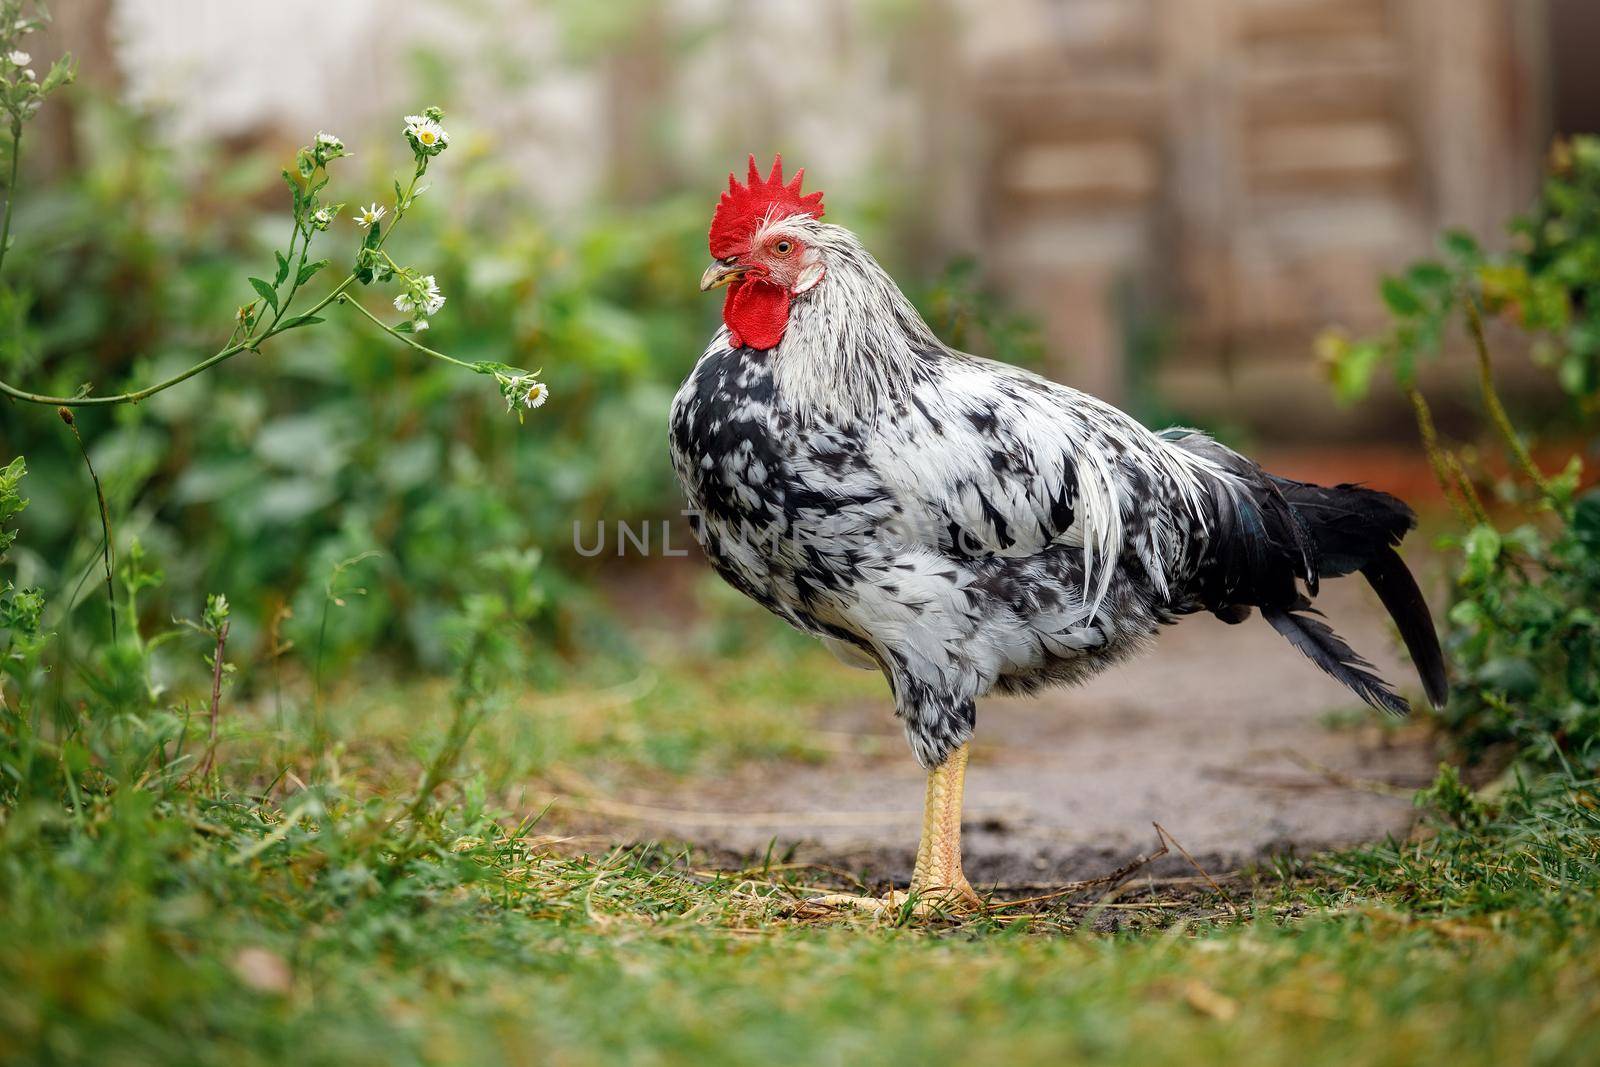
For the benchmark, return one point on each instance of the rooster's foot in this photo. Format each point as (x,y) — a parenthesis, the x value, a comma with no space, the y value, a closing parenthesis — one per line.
(934,902)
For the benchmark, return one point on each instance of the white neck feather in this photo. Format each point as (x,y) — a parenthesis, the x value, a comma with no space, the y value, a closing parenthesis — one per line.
(854,342)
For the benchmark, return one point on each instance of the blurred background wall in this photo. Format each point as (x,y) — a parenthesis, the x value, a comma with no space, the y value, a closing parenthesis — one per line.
(1182,192)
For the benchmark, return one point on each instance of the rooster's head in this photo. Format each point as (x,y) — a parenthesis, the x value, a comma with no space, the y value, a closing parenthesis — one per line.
(763,241)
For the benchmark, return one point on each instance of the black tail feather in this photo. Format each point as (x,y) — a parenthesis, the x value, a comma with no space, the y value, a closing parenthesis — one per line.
(1387,574)
(1349,524)
(1356,528)
(1302,627)
(1271,535)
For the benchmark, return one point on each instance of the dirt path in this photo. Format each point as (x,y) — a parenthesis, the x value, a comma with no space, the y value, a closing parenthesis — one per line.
(1221,735)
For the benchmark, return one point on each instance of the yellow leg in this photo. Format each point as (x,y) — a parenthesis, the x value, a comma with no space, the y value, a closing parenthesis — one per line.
(938,872)
(937,883)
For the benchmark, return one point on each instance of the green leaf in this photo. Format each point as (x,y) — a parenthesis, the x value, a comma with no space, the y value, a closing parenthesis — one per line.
(1511,675)
(1353,370)
(283,269)
(1430,274)
(61,72)
(308,271)
(1462,245)
(1581,657)
(298,321)
(1482,548)
(294,187)
(1466,614)
(1586,520)
(1564,486)
(266,291)
(1401,298)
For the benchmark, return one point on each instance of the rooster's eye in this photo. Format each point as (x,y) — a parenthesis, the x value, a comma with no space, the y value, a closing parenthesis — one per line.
(783,248)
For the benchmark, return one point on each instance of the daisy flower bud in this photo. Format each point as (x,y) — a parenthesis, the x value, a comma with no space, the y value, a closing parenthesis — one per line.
(18,58)
(327,146)
(421,294)
(432,299)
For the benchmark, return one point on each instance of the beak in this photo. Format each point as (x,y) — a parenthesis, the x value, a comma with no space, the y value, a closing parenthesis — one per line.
(720,274)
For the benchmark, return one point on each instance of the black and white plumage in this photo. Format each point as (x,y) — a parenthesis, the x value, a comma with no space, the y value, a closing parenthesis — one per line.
(967,527)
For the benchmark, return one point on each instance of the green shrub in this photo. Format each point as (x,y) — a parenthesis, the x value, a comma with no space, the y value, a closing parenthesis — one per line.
(1524,627)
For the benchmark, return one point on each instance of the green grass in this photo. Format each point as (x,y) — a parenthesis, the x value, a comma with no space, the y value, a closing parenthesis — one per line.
(143,943)
(335,908)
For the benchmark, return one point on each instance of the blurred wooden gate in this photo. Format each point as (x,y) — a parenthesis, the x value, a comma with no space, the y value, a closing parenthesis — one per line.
(1245,167)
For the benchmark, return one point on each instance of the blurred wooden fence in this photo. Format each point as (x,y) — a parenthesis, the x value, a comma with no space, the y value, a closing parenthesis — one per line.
(1248,167)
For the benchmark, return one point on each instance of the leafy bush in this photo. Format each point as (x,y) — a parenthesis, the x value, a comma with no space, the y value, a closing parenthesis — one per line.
(1524,628)
(280,463)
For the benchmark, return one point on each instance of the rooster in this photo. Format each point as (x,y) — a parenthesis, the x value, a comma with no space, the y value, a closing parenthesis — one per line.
(966,527)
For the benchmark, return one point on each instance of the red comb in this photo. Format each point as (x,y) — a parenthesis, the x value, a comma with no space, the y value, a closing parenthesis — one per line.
(744,207)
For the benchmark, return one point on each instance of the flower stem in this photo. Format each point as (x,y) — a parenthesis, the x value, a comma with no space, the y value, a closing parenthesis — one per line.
(249,344)
(216,698)
(1497,412)
(1444,472)
(392,332)
(288,253)
(11,187)
(108,547)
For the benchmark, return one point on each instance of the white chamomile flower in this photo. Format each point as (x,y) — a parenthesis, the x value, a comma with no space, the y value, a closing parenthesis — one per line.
(329,140)
(422,293)
(432,299)
(535,395)
(19,58)
(369,215)
(426,134)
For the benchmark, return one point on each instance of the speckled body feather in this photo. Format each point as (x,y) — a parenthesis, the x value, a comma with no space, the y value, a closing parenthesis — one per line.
(962,525)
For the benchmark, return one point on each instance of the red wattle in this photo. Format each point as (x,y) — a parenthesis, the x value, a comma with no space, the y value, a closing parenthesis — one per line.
(757,311)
